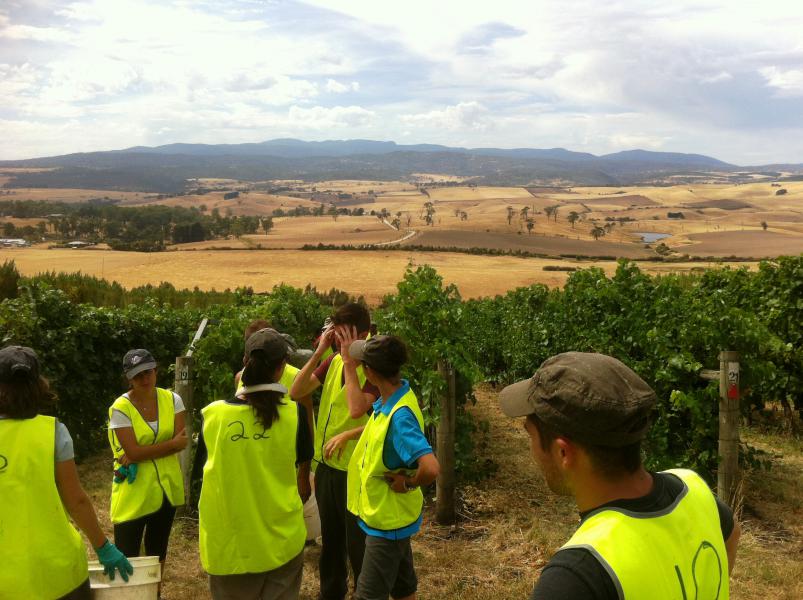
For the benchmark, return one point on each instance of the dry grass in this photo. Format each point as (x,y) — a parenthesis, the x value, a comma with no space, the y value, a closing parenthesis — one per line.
(510,524)
(247,203)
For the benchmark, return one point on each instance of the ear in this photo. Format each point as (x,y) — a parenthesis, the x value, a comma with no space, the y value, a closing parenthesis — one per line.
(565,452)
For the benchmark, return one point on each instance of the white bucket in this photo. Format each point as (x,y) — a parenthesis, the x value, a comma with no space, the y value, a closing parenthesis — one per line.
(311,517)
(143,584)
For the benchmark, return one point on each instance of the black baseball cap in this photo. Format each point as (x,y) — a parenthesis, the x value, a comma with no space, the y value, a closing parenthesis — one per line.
(385,354)
(136,361)
(274,344)
(591,398)
(18,363)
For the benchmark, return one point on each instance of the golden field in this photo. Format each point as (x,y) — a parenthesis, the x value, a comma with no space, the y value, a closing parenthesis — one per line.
(368,273)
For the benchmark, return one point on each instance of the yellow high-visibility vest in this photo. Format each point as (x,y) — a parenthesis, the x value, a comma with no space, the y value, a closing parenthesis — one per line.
(334,417)
(370,497)
(670,555)
(155,478)
(251,516)
(41,553)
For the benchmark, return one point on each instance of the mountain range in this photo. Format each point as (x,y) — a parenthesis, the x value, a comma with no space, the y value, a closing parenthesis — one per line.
(167,168)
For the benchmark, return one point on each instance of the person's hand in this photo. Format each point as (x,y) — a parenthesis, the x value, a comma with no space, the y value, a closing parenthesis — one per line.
(120,474)
(132,472)
(304,487)
(345,336)
(397,482)
(180,440)
(336,445)
(124,460)
(111,558)
(325,341)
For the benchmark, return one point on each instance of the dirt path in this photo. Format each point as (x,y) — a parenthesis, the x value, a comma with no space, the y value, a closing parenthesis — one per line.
(406,236)
(510,524)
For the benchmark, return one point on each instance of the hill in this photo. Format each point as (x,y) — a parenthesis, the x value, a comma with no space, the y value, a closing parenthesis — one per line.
(166,168)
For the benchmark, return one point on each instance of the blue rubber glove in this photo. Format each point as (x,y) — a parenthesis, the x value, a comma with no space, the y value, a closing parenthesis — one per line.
(120,474)
(111,558)
(132,472)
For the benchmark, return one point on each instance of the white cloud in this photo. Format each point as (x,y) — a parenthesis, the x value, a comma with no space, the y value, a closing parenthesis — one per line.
(788,82)
(460,117)
(319,117)
(335,87)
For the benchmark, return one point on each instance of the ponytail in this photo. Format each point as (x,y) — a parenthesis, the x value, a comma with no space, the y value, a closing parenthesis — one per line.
(266,403)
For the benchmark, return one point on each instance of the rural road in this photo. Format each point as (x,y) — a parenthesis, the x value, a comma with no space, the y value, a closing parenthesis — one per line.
(407,236)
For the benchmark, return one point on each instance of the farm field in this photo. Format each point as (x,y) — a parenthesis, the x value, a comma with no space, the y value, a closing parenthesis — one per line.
(510,524)
(746,220)
(371,274)
(715,217)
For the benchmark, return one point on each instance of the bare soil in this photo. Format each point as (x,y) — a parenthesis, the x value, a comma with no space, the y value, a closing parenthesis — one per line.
(754,244)
(549,245)
(724,204)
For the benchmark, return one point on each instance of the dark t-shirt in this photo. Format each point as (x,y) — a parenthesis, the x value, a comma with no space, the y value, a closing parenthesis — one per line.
(575,574)
(322,369)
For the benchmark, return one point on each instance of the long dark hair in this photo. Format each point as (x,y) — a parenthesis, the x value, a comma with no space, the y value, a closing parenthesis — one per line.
(258,369)
(23,398)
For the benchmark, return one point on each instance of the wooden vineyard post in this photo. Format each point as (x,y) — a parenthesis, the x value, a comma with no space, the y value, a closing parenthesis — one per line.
(445,484)
(184,388)
(728,473)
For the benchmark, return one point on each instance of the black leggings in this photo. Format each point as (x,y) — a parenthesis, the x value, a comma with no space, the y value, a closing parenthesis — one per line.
(156,527)
(82,592)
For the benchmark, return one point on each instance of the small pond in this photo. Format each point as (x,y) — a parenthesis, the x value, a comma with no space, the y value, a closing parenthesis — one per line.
(651,236)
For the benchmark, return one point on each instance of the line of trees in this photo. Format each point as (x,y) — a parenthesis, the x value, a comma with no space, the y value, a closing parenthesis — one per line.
(145,228)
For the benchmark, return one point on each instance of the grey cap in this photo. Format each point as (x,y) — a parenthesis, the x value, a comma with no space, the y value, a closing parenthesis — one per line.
(591,398)
(18,363)
(383,353)
(136,361)
(271,342)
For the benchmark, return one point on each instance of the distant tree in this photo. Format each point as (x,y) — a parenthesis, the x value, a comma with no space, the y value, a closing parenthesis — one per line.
(524,213)
(511,212)
(573,218)
(463,215)
(551,211)
(9,229)
(429,213)
(332,212)
(764,225)
(267,224)
(530,225)
(396,222)
(597,232)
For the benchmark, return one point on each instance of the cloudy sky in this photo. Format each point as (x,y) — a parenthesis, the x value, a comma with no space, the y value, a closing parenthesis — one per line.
(718,77)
